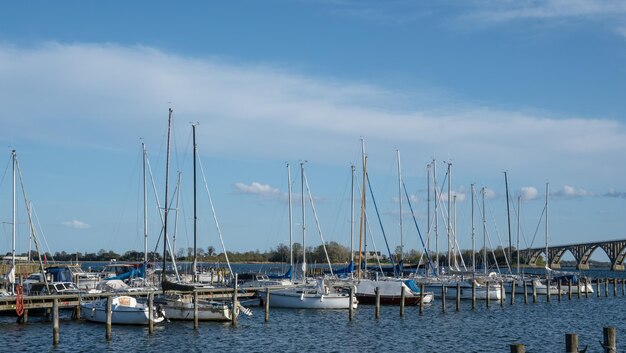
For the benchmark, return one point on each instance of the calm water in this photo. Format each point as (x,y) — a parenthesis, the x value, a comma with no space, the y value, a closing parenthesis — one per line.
(541,327)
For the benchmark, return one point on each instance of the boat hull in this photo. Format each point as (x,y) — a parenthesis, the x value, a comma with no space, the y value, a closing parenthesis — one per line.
(133,314)
(301,300)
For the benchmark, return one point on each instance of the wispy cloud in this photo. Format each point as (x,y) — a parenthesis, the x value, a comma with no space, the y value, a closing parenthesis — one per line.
(570,191)
(258,189)
(113,94)
(607,13)
(76,224)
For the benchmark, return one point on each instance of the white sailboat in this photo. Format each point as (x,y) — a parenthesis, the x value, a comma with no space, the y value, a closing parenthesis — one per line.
(124,310)
(311,295)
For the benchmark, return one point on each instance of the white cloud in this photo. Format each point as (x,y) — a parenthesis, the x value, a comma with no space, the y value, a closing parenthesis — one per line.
(548,9)
(570,191)
(529,193)
(490,194)
(76,224)
(258,189)
(106,96)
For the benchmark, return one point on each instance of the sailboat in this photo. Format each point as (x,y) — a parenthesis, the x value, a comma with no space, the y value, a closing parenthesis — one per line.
(125,310)
(181,306)
(315,294)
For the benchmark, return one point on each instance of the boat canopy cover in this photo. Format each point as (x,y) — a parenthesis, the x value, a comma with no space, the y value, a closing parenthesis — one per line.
(139,271)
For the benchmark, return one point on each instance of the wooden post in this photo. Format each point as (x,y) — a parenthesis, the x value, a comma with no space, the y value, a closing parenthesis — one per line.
(559,289)
(267,303)
(518,348)
(502,293)
(598,289)
(195,310)
(422,293)
(402,294)
(350,308)
(76,312)
(578,288)
(534,291)
(606,287)
(473,294)
(615,287)
(458,296)
(548,296)
(512,292)
(443,298)
(107,334)
(235,304)
(525,291)
(571,343)
(55,321)
(569,283)
(377,292)
(623,289)
(488,297)
(586,288)
(609,340)
(151,313)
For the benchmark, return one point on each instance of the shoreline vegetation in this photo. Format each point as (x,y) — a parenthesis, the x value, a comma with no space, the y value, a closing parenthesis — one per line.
(337,253)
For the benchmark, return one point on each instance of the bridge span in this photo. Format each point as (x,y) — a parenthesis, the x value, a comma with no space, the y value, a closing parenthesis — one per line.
(615,249)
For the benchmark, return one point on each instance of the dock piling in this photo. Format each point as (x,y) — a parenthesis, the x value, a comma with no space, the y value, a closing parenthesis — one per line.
(422,293)
(534,292)
(377,292)
(458,296)
(267,304)
(350,308)
(235,303)
(55,321)
(571,343)
(473,295)
(195,310)
(512,292)
(402,294)
(518,348)
(525,292)
(609,344)
(443,298)
(151,313)
(107,334)
(488,296)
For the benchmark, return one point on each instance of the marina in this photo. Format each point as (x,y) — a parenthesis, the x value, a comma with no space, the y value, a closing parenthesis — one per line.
(540,325)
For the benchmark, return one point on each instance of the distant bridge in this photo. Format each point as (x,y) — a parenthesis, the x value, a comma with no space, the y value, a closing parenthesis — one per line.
(615,249)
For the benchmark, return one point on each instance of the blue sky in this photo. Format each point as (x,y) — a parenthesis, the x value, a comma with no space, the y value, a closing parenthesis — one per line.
(533,88)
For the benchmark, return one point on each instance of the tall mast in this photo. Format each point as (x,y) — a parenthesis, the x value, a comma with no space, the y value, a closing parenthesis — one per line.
(303,223)
(519,211)
(484,235)
(13,232)
(508,213)
(428,215)
(400,204)
(165,211)
(436,215)
(145,214)
(449,210)
(352,168)
(195,214)
(473,233)
(456,264)
(290,224)
(362,219)
(547,256)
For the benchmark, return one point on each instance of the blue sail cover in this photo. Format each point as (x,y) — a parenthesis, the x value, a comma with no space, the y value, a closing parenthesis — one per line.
(139,271)
(287,274)
(412,285)
(344,271)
